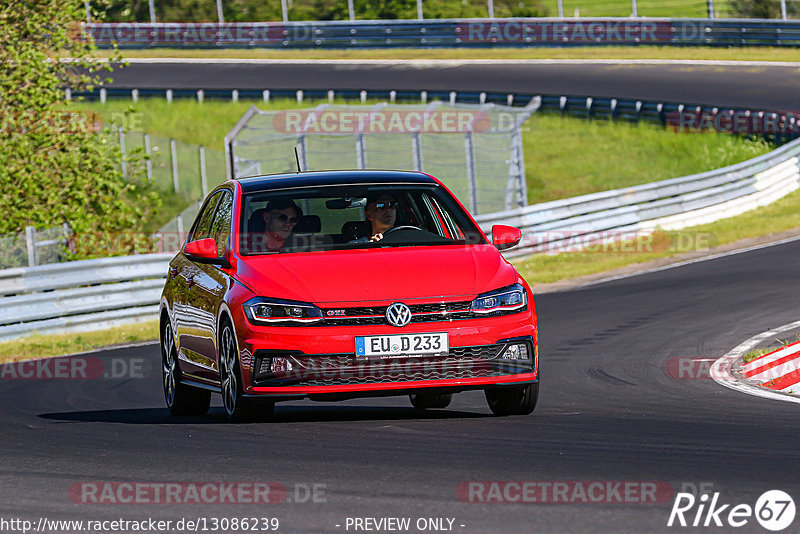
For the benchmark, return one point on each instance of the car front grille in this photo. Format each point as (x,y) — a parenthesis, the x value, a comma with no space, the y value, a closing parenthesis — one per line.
(343,369)
(420,313)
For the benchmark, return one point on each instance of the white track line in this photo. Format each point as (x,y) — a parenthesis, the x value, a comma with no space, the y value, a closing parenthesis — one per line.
(721,369)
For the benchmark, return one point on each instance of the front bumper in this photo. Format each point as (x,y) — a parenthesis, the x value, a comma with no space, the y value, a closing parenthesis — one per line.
(323,360)
(472,367)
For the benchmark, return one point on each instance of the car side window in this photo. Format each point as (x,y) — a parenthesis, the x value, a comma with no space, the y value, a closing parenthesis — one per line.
(221,227)
(202,226)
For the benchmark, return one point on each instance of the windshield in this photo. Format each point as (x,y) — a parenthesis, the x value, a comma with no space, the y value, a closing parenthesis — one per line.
(342,217)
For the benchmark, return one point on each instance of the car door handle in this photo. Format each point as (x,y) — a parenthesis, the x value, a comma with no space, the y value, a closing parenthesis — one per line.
(173,272)
(190,281)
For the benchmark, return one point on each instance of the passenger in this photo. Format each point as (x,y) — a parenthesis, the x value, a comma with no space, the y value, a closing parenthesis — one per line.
(381,211)
(281,217)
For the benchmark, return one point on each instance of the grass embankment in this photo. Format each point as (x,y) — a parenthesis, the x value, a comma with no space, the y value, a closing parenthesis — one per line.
(42,346)
(752,53)
(564,157)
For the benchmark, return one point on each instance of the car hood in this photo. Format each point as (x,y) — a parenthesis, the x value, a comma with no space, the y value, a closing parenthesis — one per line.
(386,274)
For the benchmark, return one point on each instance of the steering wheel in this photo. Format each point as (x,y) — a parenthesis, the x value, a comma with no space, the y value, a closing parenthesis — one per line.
(404,227)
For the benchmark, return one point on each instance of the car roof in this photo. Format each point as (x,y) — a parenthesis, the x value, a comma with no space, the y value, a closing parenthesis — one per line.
(343,177)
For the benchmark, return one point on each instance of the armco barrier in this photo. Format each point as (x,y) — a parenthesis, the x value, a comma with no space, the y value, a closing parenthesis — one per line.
(450,33)
(670,204)
(81,295)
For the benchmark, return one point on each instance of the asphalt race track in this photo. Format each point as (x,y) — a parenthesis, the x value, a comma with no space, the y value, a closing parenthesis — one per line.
(763,87)
(609,411)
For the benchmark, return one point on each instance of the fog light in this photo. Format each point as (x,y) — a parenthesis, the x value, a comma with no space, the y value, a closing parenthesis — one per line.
(518,351)
(281,365)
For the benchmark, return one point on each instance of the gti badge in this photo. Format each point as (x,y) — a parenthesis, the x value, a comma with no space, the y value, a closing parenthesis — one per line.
(398,314)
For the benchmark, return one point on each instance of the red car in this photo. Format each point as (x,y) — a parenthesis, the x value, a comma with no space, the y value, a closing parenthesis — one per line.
(340,284)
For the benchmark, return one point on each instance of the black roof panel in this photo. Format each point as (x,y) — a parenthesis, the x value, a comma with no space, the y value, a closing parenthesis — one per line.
(316,178)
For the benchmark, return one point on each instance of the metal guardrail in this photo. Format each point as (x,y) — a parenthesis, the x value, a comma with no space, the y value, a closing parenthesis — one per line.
(81,295)
(670,204)
(450,33)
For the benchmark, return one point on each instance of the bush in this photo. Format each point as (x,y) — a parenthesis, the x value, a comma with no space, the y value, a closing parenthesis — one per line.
(761,9)
(58,166)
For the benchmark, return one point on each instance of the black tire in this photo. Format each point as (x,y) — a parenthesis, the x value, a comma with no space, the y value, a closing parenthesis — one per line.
(238,408)
(513,401)
(180,398)
(424,401)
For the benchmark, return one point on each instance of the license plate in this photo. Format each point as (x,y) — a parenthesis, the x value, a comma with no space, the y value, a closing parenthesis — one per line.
(405,344)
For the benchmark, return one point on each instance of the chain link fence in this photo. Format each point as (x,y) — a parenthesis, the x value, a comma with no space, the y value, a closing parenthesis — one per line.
(174,166)
(476,150)
(182,173)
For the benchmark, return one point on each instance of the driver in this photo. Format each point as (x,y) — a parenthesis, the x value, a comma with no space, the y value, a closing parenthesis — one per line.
(382,213)
(280,217)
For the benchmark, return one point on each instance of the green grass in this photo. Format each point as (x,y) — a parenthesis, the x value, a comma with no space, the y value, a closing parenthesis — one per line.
(756,353)
(645,8)
(44,346)
(467,54)
(564,157)
(184,119)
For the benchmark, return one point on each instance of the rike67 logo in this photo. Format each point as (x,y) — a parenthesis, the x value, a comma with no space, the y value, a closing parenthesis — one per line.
(774,510)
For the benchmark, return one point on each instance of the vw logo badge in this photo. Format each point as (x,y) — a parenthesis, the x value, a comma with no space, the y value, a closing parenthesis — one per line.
(398,314)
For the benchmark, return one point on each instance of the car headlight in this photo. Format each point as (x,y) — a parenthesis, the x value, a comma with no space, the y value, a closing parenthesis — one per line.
(263,310)
(505,299)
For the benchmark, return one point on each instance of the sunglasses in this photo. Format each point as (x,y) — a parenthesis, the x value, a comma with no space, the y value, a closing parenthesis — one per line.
(282,217)
(388,205)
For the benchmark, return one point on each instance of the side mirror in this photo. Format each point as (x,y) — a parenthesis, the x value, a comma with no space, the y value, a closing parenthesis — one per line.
(205,251)
(505,237)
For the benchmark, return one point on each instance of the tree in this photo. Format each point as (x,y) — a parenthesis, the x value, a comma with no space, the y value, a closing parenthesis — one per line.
(56,165)
(761,9)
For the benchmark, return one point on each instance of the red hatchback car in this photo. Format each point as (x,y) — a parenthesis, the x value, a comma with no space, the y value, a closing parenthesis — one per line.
(340,284)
